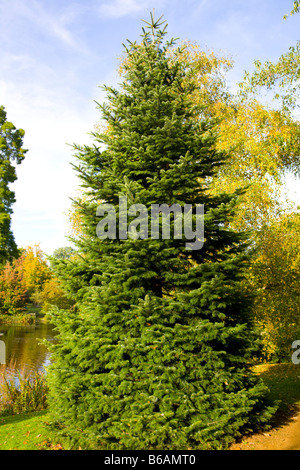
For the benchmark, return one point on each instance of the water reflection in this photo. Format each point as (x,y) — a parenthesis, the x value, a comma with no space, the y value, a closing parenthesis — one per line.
(23,349)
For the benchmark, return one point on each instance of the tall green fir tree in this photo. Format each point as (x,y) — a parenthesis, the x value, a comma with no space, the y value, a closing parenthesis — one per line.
(156,352)
(11,154)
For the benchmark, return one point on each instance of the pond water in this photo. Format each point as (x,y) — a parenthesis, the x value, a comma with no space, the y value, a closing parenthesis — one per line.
(23,350)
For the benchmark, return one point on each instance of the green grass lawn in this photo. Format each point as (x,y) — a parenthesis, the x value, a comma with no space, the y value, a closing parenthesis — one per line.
(30,308)
(26,432)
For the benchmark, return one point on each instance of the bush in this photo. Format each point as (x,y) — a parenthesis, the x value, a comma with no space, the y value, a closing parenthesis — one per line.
(22,393)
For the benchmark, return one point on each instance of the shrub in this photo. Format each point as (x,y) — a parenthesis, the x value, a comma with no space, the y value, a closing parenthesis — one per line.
(23,392)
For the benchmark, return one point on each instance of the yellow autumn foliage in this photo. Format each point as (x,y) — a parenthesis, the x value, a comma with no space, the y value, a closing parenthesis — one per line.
(275,276)
(34,268)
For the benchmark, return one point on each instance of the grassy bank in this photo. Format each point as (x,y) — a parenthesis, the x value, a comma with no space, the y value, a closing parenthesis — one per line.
(28,431)
(27,316)
(19,319)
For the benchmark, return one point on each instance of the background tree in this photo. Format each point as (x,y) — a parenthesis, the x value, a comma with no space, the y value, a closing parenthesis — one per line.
(11,154)
(296,9)
(275,272)
(13,294)
(263,143)
(65,252)
(281,77)
(156,353)
(275,276)
(35,269)
(50,293)
(23,278)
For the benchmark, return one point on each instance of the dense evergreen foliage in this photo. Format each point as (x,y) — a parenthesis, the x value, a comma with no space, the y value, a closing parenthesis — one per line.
(156,352)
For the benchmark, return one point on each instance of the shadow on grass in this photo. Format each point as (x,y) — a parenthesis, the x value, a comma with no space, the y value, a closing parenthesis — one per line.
(283,381)
(14,419)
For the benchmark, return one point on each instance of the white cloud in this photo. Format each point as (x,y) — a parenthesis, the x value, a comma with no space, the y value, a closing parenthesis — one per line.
(34,12)
(17,62)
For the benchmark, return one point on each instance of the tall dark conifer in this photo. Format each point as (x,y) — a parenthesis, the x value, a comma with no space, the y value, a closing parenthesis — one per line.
(156,353)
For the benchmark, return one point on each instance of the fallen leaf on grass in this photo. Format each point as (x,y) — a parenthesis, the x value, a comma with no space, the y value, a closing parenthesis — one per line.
(57,447)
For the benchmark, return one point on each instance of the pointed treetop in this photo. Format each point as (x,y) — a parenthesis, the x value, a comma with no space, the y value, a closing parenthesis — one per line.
(155,25)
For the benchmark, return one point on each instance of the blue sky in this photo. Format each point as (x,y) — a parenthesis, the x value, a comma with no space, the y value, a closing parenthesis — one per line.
(55,55)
